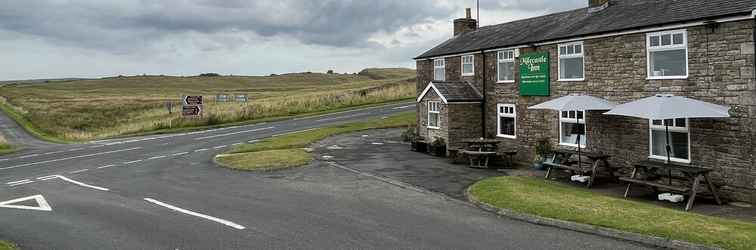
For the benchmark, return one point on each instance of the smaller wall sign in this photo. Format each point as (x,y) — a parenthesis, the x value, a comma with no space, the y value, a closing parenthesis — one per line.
(534,74)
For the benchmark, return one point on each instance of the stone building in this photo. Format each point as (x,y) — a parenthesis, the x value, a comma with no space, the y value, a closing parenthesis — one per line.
(619,50)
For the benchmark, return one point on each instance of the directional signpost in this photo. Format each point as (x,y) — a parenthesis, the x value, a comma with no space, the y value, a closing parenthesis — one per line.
(192,106)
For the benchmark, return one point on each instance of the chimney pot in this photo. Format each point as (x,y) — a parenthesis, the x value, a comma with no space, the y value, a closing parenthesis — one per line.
(468,13)
(462,25)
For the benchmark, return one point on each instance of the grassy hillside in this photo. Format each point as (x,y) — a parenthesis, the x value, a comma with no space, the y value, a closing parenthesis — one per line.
(101,108)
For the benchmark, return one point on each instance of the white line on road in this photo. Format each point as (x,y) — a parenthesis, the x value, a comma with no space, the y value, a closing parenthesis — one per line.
(156,157)
(237,144)
(219,147)
(180,154)
(69,158)
(49,177)
(253,141)
(27,156)
(75,149)
(54,152)
(234,133)
(131,162)
(4,159)
(294,132)
(337,118)
(81,183)
(207,217)
(201,149)
(403,107)
(14,182)
(106,166)
(79,171)
(20,183)
(97,146)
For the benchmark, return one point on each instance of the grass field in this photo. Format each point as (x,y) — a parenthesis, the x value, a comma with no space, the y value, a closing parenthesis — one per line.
(4,245)
(287,150)
(555,200)
(93,109)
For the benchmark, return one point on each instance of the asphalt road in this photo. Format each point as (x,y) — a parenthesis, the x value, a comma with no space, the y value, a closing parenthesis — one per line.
(164,192)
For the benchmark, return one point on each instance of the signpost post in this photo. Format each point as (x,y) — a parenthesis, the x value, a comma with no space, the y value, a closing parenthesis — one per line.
(534,74)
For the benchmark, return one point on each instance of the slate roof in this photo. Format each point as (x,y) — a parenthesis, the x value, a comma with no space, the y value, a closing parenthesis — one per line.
(454,91)
(621,15)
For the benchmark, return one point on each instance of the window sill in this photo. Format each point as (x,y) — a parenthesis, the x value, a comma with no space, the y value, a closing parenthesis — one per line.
(435,128)
(470,74)
(672,159)
(571,145)
(507,136)
(667,78)
(509,81)
(571,80)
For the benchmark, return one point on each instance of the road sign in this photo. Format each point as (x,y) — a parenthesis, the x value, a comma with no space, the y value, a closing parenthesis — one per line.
(42,204)
(191,110)
(193,100)
(241,98)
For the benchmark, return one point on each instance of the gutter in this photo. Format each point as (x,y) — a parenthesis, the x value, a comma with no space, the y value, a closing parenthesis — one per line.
(484,101)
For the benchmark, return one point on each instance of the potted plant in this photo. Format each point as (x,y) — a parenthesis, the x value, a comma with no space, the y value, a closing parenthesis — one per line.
(438,147)
(543,149)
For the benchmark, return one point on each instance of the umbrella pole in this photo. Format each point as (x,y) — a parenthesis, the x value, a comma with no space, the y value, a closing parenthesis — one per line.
(668,148)
(578,139)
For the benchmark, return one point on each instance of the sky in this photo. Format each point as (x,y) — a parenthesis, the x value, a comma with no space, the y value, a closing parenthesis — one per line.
(42,39)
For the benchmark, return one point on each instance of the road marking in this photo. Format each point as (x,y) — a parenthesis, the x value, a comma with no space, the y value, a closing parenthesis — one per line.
(27,156)
(180,154)
(14,182)
(54,152)
(234,133)
(81,183)
(219,147)
(131,162)
(97,146)
(75,149)
(207,217)
(20,183)
(49,177)
(403,107)
(253,141)
(4,159)
(294,132)
(106,166)
(156,157)
(201,149)
(336,118)
(42,204)
(79,171)
(70,158)
(237,144)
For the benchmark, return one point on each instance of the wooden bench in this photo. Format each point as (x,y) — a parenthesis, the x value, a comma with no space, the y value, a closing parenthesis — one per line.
(695,175)
(482,157)
(561,160)
(654,185)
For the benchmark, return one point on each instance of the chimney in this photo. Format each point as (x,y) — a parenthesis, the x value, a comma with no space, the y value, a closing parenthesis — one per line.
(597,5)
(462,25)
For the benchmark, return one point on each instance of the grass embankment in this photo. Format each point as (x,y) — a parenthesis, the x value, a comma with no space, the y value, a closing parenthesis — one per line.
(559,201)
(5,148)
(4,245)
(287,150)
(94,109)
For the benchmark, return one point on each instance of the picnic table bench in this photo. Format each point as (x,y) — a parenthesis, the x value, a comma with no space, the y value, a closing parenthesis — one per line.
(479,151)
(561,160)
(692,174)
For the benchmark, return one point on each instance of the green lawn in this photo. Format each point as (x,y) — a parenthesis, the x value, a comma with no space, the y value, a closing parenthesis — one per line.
(287,150)
(266,160)
(559,201)
(4,245)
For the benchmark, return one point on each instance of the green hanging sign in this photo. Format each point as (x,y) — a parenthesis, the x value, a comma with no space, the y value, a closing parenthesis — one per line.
(534,74)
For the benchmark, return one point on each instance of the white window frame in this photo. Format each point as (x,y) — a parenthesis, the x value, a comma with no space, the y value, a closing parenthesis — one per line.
(434,107)
(672,128)
(439,64)
(501,59)
(472,63)
(510,115)
(661,47)
(573,120)
(568,56)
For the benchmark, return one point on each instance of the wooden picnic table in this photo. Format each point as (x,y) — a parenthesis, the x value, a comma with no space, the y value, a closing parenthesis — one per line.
(480,150)
(692,174)
(561,159)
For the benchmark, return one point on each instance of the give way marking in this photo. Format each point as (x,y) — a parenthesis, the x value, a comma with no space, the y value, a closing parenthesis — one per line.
(207,217)
(42,204)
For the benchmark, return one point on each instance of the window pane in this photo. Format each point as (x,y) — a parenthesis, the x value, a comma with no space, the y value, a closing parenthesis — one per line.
(580,115)
(572,114)
(570,49)
(677,38)
(654,41)
(571,68)
(439,74)
(570,133)
(678,142)
(506,71)
(668,122)
(578,49)
(433,119)
(467,68)
(680,122)
(666,39)
(562,50)
(564,114)
(657,122)
(668,63)
(506,126)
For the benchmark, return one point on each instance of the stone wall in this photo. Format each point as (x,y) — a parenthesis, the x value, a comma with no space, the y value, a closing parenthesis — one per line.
(464,123)
(721,70)
(431,134)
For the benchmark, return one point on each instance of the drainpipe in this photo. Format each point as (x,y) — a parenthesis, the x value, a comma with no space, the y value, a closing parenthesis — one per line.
(483,103)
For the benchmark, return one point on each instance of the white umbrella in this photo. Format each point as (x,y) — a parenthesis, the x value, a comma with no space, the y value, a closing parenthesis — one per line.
(663,107)
(576,102)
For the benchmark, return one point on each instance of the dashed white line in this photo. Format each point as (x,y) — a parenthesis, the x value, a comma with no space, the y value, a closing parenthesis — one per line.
(403,107)
(106,166)
(201,150)
(180,154)
(234,133)
(54,152)
(132,162)
(28,156)
(237,144)
(207,217)
(75,149)
(253,141)
(156,157)
(20,183)
(14,182)
(49,177)
(79,171)
(219,147)
(70,158)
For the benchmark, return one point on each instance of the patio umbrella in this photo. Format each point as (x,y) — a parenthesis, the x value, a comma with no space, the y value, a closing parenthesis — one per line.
(576,102)
(663,107)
